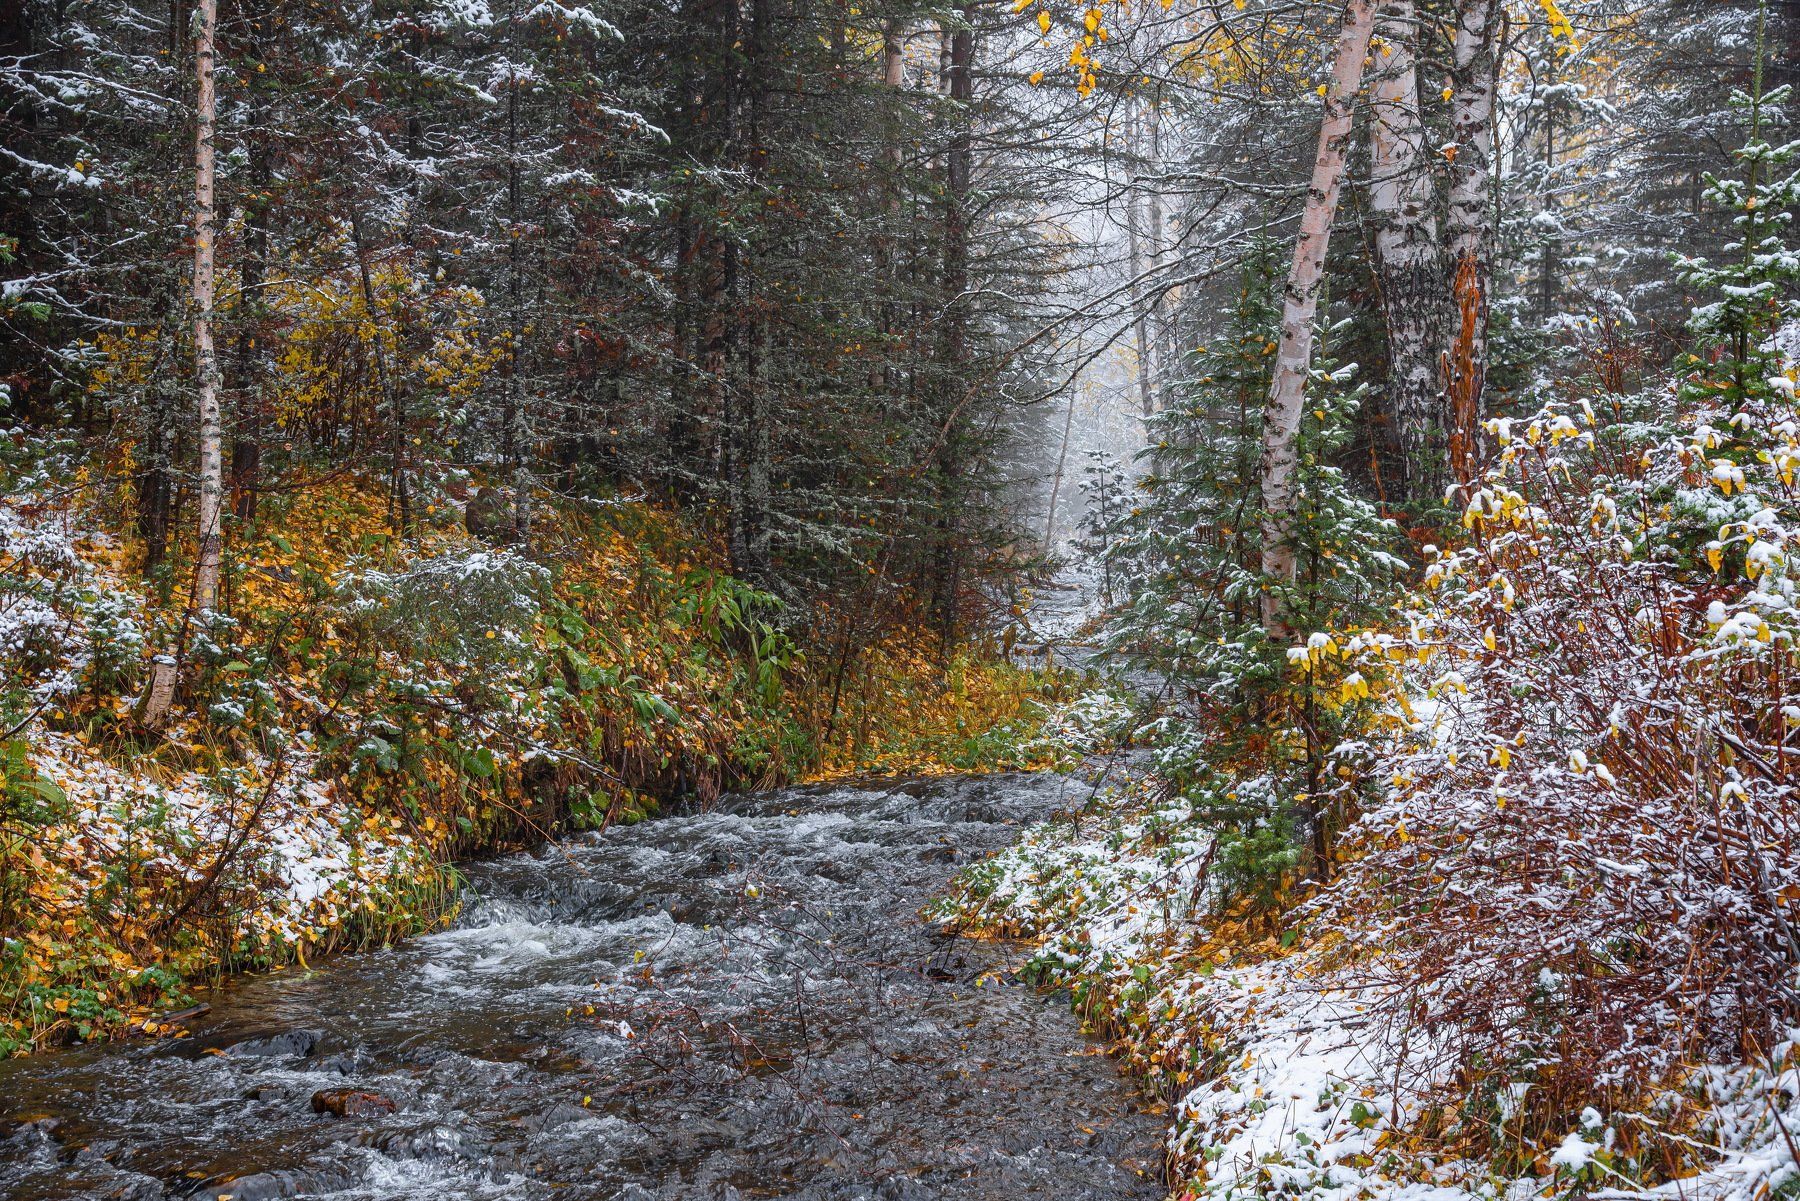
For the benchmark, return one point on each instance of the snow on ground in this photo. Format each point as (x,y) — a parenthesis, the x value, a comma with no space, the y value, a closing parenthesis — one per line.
(1286,1081)
(299,858)
(310,861)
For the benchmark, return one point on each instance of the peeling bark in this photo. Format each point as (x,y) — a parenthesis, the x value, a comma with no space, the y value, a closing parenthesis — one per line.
(1469,229)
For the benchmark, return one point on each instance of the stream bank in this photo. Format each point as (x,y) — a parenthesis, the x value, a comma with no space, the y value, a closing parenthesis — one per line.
(737,1002)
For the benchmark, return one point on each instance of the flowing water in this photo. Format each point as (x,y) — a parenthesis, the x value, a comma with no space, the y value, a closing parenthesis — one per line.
(734,1003)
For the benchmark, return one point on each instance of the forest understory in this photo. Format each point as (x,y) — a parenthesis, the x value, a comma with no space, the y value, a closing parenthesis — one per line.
(1357,440)
(389,709)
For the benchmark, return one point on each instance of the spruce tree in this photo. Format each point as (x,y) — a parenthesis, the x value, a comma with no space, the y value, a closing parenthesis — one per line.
(1187,559)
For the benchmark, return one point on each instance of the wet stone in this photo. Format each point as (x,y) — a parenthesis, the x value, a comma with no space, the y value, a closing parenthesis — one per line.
(350,1102)
(289,1044)
(344,1063)
(272,1186)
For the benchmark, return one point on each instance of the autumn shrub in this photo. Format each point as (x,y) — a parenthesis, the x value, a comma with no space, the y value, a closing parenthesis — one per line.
(900,709)
(471,608)
(1581,877)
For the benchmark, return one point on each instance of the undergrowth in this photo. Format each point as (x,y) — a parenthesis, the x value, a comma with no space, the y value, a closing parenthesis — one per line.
(368,710)
(1551,950)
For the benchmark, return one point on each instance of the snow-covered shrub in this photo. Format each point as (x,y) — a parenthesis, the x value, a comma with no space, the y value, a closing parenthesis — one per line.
(473,609)
(1094,721)
(62,627)
(1582,875)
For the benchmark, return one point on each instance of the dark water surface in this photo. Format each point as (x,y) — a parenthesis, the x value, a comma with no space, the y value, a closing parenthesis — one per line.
(735,1003)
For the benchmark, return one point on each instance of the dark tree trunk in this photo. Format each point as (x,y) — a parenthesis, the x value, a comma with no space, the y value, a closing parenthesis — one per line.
(246,444)
(747,442)
(953,342)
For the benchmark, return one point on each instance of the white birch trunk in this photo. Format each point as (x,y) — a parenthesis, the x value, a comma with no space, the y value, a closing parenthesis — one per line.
(893,53)
(1169,295)
(1287,390)
(206,361)
(1407,259)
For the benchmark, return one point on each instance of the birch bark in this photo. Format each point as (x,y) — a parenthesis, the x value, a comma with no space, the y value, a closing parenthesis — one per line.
(1135,236)
(206,358)
(1469,227)
(1287,388)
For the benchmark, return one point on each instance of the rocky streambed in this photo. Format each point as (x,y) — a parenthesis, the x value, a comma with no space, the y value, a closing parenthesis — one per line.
(734,1003)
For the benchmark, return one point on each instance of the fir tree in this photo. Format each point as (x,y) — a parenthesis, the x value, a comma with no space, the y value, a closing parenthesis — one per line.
(1188,553)
(1754,286)
(1740,376)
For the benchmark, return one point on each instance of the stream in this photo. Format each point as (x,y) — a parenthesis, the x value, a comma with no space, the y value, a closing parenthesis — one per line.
(731,1003)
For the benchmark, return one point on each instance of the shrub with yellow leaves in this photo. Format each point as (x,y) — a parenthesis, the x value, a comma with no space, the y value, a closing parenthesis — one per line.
(1581,877)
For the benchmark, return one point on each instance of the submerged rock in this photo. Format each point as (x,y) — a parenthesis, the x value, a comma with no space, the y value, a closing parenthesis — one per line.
(350,1102)
(289,1044)
(269,1186)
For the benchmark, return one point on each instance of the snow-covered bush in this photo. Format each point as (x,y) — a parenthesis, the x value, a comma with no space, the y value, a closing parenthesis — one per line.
(1094,721)
(62,628)
(1582,876)
(471,608)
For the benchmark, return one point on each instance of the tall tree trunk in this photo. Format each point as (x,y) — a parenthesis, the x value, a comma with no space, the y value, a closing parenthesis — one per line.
(684,451)
(887,261)
(518,421)
(747,441)
(1062,462)
(206,359)
(1140,305)
(953,342)
(399,506)
(1293,356)
(1469,233)
(246,444)
(1407,259)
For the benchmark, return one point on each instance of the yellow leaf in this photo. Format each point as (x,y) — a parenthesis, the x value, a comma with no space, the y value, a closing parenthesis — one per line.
(1043,22)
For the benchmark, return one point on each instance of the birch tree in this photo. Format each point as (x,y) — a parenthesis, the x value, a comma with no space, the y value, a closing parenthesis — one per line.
(211,482)
(1469,228)
(1143,233)
(1300,299)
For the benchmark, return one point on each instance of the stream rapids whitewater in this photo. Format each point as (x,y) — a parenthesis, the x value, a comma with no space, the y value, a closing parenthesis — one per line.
(730,1003)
